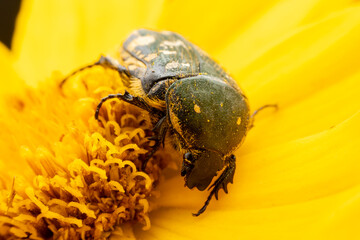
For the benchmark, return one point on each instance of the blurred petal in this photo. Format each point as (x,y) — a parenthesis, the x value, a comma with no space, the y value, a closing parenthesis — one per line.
(343,222)
(300,170)
(10,85)
(63,35)
(313,58)
(315,113)
(264,31)
(295,221)
(210,24)
(10,82)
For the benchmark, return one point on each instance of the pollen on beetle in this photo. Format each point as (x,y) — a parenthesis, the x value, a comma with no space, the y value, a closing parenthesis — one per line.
(197,108)
(238,122)
(77,178)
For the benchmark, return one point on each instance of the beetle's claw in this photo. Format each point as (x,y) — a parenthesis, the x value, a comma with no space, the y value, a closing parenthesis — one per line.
(127,96)
(157,139)
(224,186)
(148,156)
(153,138)
(152,152)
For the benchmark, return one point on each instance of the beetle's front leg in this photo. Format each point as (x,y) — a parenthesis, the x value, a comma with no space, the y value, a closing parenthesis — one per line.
(159,131)
(160,128)
(127,97)
(226,177)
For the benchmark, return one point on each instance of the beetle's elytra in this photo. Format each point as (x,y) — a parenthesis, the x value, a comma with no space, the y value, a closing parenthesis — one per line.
(189,96)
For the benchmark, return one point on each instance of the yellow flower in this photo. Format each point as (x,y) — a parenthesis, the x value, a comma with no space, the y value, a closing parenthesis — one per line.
(297,173)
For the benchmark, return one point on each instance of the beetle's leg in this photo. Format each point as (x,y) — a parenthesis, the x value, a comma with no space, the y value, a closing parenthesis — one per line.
(160,128)
(127,97)
(106,62)
(226,177)
(252,117)
(159,131)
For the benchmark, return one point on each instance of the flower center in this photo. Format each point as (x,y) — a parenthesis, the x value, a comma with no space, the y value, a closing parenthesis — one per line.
(85,180)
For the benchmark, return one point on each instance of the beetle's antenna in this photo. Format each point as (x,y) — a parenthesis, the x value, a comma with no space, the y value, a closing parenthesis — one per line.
(106,62)
(258,110)
(75,72)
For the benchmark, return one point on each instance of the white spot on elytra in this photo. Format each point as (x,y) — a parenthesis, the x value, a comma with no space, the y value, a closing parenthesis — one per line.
(150,57)
(141,41)
(172,65)
(167,32)
(166,52)
(175,65)
(176,43)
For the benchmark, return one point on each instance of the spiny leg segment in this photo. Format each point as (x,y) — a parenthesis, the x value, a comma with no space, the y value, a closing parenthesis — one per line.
(226,177)
(159,131)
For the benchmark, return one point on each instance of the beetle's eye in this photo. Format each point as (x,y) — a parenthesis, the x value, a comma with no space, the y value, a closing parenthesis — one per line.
(233,157)
(187,165)
(189,157)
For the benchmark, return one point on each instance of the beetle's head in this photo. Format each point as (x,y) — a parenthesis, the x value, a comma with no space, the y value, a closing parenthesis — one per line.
(199,168)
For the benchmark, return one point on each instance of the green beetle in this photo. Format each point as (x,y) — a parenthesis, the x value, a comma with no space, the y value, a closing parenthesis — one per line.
(188,95)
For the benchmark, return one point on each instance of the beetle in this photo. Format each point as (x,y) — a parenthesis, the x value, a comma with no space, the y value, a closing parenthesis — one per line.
(189,96)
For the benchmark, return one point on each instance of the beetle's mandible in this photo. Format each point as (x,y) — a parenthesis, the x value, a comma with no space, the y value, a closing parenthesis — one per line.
(189,96)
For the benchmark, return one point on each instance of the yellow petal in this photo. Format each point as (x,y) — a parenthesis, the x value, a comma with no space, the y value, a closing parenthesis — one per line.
(209,24)
(315,113)
(342,222)
(296,221)
(266,29)
(300,170)
(315,57)
(11,84)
